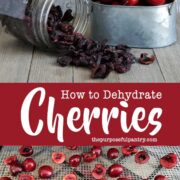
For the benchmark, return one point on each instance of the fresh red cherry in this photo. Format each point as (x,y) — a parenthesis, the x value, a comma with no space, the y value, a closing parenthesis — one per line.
(132,2)
(169,161)
(99,171)
(122,178)
(58,157)
(45,172)
(160,177)
(75,160)
(112,153)
(15,169)
(26,151)
(115,170)
(70,177)
(89,157)
(142,157)
(5,178)
(26,177)
(10,160)
(129,150)
(96,150)
(29,165)
(156,2)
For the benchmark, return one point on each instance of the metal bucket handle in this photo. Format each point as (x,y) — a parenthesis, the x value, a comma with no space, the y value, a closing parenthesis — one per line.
(170,8)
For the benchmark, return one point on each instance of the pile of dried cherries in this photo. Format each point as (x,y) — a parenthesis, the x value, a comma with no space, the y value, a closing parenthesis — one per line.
(81,51)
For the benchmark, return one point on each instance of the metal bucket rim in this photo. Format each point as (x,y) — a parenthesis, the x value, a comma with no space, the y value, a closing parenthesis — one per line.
(134,7)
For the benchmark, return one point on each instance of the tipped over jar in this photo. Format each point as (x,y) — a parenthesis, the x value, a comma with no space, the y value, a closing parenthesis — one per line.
(32,25)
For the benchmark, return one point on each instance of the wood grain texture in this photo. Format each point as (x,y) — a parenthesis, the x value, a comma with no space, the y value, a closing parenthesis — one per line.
(15,59)
(44,68)
(84,75)
(0,27)
(169,59)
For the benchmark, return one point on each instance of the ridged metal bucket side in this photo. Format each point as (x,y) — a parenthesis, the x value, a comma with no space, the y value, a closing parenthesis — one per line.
(139,26)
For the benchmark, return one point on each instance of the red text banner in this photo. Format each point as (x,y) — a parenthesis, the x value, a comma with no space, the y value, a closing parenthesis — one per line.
(89,114)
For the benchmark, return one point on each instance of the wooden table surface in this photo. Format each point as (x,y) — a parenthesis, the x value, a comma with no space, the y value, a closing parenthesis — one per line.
(20,62)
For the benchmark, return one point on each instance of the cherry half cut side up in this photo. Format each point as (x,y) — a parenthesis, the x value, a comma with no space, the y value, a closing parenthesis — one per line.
(142,157)
(26,151)
(99,171)
(58,157)
(169,161)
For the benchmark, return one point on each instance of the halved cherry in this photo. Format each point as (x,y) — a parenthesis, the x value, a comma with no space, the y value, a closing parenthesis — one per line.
(96,150)
(26,177)
(58,157)
(142,157)
(115,170)
(15,169)
(112,153)
(45,172)
(75,160)
(160,177)
(89,157)
(129,150)
(10,160)
(26,151)
(70,177)
(169,161)
(99,171)
(29,165)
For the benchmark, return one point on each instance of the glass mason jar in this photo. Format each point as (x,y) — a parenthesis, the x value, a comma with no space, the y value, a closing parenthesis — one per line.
(32,27)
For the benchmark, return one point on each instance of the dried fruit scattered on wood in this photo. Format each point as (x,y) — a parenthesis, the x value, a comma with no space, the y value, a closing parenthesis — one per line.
(97,56)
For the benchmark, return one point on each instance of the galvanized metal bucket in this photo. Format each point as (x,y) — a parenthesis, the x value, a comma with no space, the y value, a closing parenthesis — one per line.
(135,26)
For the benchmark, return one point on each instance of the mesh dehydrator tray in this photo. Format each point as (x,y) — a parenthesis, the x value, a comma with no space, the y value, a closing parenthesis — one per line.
(133,171)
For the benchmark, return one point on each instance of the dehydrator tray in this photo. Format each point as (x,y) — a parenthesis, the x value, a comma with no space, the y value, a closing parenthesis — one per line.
(132,170)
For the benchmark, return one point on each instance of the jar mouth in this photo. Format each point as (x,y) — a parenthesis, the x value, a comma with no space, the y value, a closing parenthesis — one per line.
(41,17)
(82,19)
